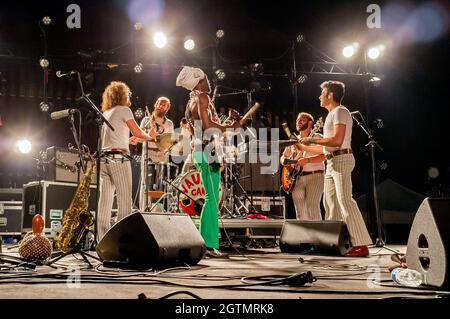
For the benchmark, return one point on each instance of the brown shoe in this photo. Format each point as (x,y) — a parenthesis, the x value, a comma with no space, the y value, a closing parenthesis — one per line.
(358,251)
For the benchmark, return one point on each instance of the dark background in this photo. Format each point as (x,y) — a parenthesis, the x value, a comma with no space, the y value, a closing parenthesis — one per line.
(412,99)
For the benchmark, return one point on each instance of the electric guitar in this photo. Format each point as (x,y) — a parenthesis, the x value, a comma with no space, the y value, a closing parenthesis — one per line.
(290,169)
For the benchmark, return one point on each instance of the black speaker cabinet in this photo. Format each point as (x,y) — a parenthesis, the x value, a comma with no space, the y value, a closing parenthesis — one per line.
(324,237)
(146,240)
(429,242)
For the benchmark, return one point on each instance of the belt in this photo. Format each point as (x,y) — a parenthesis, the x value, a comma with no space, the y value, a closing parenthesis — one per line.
(311,172)
(116,155)
(339,152)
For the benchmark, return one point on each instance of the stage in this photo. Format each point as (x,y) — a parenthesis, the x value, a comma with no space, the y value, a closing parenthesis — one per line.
(244,275)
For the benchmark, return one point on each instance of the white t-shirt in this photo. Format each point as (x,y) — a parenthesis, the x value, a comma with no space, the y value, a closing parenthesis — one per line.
(309,167)
(339,115)
(117,116)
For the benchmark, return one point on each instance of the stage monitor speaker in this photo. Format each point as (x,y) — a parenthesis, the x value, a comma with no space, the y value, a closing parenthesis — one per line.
(152,240)
(323,237)
(429,242)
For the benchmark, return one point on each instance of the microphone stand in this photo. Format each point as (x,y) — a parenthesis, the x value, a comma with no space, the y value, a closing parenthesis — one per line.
(78,144)
(100,120)
(379,242)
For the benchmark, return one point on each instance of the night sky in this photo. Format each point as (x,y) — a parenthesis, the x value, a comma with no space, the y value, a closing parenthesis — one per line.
(411,99)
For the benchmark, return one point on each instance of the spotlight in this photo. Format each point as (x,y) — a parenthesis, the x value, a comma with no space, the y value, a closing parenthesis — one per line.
(138,26)
(374,53)
(384,166)
(378,123)
(375,80)
(302,79)
(44,63)
(46,20)
(160,39)
(220,33)
(300,38)
(44,106)
(189,44)
(256,68)
(138,68)
(24,146)
(433,172)
(139,113)
(220,73)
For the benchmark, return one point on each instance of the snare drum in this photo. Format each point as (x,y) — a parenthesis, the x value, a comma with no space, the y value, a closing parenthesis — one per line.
(191,184)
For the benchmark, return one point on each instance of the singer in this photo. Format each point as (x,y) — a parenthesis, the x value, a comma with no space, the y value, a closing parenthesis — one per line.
(336,145)
(308,187)
(115,171)
(201,115)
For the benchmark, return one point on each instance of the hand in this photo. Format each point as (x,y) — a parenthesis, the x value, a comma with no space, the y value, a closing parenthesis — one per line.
(303,161)
(234,115)
(152,132)
(305,140)
(134,140)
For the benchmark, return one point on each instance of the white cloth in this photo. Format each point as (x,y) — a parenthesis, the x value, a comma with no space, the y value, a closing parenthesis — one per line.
(306,195)
(339,115)
(189,77)
(117,116)
(156,156)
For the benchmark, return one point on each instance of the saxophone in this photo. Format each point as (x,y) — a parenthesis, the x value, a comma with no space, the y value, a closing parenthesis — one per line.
(77,218)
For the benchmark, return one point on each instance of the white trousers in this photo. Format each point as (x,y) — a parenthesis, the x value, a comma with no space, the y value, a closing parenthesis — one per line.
(306,195)
(115,176)
(338,198)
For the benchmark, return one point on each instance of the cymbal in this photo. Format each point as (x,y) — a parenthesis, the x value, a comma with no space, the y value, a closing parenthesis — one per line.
(176,144)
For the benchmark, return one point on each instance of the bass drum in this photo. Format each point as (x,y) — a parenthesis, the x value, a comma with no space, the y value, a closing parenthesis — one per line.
(191,184)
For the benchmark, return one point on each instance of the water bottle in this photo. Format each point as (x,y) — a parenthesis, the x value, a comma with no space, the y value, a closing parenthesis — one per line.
(407,277)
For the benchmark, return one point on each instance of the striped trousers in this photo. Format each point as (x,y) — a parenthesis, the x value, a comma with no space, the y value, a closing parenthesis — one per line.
(306,195)
(338,198)
(115,176)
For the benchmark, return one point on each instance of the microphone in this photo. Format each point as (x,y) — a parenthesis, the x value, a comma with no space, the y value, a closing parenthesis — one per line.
(62,114)
(287,130)
(59,74)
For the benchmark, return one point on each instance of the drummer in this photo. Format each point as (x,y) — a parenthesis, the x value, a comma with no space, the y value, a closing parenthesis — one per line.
(155,124)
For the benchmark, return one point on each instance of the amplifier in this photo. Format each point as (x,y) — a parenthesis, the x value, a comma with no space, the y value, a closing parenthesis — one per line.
(51,200)
(62,166)
(10,217)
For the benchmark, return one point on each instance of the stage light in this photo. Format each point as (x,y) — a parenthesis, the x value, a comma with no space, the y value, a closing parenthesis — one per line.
(220,73)
(300,38)
(160,39)
(189,44)
(256,68)
(350,50)
(374,53)
(302,79)
(24,146)
(138,26)
(138,68)
(46,20)
(139,113)
(375,80)
(433,172)
(378,123)
(44,106)
(44,63)
(220,34)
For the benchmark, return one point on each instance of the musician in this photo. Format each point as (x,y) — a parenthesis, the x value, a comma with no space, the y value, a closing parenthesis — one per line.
(201,116)
(308,188)
(115,169)
(336,146)
(153,171)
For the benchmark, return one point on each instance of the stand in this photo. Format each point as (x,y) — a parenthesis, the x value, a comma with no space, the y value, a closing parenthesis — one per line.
(100,120)
(379,242)
(76,250)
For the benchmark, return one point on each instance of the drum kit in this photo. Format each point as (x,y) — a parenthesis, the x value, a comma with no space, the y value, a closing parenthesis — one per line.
(167,190)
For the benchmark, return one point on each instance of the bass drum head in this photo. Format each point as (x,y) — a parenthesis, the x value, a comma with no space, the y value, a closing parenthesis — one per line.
(191,184)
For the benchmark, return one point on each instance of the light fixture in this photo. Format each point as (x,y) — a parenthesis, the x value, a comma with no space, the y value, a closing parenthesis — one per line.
(139,113)
(160,39)
(220,34)
(302,79)
(433,172)
(374,53)
(138,68)
(256,68)
(44,106)
(24,146)
(44,63)
(300,38)
(189,44)
(138,26)
(46,20)
(220,74)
